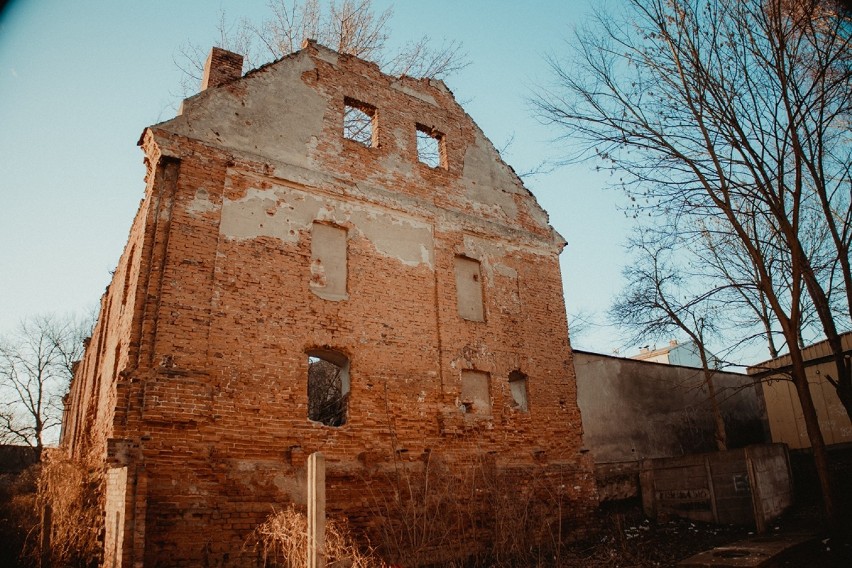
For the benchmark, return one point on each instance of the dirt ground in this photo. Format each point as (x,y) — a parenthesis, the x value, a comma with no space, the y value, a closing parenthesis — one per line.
(630,540)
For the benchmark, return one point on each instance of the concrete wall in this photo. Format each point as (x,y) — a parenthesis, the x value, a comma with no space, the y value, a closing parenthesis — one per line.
(195,388)
(782,402)
(749,486)
(634,410)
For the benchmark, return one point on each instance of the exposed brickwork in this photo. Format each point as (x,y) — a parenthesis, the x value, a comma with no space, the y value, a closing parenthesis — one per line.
(196,378)
(221,67)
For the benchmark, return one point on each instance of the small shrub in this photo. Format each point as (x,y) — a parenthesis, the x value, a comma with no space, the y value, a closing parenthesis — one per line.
(282,541)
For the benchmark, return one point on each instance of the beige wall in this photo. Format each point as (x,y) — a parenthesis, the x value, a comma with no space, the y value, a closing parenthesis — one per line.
(782,403)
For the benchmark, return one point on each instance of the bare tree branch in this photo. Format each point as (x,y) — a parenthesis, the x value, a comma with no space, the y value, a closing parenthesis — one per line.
(730,119)
(36,367)
(351,27)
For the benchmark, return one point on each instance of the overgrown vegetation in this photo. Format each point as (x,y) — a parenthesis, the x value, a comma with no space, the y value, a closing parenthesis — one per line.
(18,515)
(282,541)
(70,494)
(433,512)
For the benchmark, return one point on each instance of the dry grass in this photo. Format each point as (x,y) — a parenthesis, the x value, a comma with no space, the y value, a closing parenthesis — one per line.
(427,512)
(282,542)
(423,508)
(73,492)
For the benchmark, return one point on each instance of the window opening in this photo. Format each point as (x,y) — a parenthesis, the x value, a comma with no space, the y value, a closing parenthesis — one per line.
(475,393)
(469,289)
(430,147)
(328,387)
(359,122)
(328,262)
(518,386)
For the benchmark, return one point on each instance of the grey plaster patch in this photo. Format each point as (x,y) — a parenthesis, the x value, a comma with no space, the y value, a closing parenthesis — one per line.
(419,95)
(479,248)
(326,54)
(504,270)
(283,212)
(276,115)
(405,239)
(396,161)
(279,213)
(537,213)
(490,183)
(201,203)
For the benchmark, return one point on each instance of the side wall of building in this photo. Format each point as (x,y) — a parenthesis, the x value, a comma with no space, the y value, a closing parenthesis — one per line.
(782,402)
(92,398)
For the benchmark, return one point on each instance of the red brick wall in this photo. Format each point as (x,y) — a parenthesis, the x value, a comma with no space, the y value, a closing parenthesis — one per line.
(210,417)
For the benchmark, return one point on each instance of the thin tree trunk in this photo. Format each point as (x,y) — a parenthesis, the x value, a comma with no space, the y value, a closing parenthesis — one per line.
(720,435)
(800,380)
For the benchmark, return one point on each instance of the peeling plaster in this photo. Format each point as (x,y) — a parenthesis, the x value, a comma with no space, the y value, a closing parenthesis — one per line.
(489,181)
(283,213)
(201,203)
(504,270)
(419,95)
(277,117)
(407,240)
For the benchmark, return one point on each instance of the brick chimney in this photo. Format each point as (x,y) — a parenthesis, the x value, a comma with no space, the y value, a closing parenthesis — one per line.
(222,66)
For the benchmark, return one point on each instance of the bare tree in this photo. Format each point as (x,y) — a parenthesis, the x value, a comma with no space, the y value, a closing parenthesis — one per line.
(737,113)
(748,309)
(36,367)
(659,299)
(351,27)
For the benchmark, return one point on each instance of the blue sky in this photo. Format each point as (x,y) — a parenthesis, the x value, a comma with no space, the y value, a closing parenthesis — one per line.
(79,81)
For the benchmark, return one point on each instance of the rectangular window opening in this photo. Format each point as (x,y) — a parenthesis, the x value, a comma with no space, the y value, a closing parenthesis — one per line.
(328,387)
(469,289)
(518,386)
(328,262)
(359,122)
(475,393)
(430,147)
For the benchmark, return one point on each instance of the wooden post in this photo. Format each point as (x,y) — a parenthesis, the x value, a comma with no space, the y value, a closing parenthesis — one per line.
(756,498)
(316,510)
(711,485)
(46,527)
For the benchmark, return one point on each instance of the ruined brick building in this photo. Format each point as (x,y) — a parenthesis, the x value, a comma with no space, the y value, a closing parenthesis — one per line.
(329,259)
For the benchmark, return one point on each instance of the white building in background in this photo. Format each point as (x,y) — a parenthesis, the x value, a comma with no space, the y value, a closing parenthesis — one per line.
(683,354)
